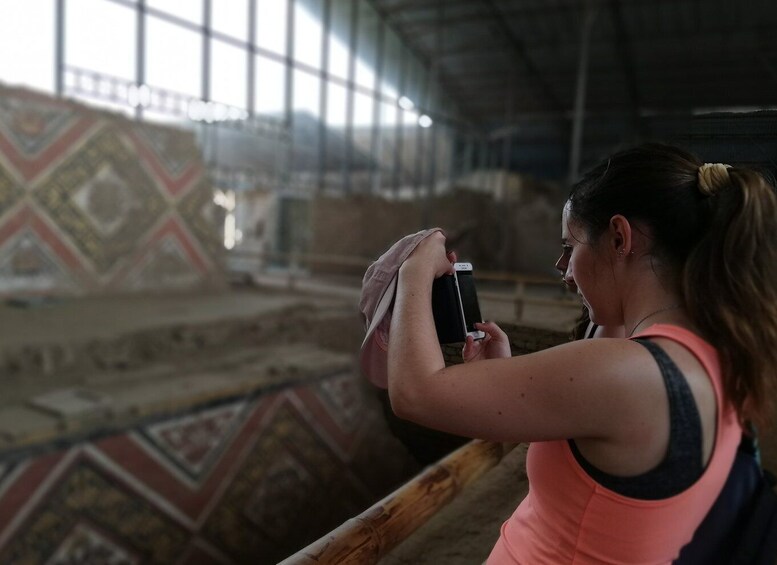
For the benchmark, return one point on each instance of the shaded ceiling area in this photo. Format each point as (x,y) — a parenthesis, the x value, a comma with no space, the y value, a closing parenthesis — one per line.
(668,69)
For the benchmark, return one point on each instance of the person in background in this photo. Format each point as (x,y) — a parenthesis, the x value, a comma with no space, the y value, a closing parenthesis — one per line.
(632,437)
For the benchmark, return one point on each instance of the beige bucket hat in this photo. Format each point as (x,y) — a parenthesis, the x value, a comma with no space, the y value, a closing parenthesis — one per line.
(377,299)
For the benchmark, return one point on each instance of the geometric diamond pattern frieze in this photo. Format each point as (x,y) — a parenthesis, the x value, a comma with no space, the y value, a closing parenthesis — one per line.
(85,544)
(174,149)
(10,191)
(36,132)
(89,494)
(102,199)
(167,266)
(341,394)
(194,443)
(32,125)
(280,497)
(203,217)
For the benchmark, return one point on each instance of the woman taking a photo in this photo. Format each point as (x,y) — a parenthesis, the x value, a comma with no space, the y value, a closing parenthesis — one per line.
(631,438)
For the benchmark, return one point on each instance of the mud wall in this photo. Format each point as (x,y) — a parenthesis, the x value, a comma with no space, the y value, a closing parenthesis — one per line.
(287,443)
(517,233)
(94,202)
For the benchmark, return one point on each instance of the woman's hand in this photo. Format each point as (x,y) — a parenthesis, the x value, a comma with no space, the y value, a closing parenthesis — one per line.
(430,255)
(496,344)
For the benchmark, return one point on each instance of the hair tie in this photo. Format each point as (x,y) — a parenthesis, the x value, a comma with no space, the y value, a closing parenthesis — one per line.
(712,176)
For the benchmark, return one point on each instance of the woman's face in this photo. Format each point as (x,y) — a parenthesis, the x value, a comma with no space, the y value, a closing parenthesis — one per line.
(566,250)
(578,264)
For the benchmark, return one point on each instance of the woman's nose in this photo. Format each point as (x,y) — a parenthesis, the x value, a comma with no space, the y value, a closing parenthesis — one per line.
(561,266)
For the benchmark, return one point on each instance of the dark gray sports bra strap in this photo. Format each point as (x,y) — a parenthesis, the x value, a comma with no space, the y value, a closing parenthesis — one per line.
(685,431)
(683,464)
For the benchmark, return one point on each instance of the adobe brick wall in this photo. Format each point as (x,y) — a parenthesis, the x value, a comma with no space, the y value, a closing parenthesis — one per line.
(518,235)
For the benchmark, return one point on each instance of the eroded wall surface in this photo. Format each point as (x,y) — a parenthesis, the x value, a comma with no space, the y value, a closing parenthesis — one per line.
(518,234)
(94,202)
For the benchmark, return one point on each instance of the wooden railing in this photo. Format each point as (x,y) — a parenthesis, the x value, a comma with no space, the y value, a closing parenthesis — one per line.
(518,297)
(368,537)
(372,534)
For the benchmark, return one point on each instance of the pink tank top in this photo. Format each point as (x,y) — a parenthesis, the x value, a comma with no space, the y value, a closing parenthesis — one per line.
(568,518)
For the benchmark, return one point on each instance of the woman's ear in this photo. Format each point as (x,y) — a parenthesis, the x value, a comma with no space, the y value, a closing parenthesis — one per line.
(620,236)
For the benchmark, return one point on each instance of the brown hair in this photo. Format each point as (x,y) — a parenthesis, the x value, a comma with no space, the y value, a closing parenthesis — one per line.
(722,248)
(581,325)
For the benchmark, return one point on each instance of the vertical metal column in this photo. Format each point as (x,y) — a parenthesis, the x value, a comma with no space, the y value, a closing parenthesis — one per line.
(434,73)
(508,243)
(453,143)
(140,52)
(582,78)
(323,96)
(399,127)
(483,162)
(289,102)
(467,158)
(251,62)
(495,157)
(419,138)
(375,141)
(419,155)
(206,36)
(353,41)
(210,134)
(507,148)
(59,48)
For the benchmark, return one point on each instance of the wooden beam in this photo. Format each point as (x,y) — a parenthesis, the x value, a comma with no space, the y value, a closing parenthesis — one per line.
(373,533)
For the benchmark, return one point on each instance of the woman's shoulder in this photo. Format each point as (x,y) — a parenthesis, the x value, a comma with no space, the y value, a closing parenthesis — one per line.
(610,386)
(610,366)
(688,337)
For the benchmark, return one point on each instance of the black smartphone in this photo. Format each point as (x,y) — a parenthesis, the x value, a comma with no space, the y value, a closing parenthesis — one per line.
(455,305)
(468,298)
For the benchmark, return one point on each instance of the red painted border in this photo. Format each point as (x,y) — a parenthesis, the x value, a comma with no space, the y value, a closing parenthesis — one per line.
(27,217)
(174,185)
(31,168)
(25,485)
(134,459)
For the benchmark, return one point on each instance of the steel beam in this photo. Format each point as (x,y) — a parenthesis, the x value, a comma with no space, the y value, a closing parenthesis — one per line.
(444,80)
(140,51)
(59,48)
(582,77)
(520,51)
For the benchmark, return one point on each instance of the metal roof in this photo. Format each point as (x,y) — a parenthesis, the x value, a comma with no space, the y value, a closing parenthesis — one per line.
(507,60)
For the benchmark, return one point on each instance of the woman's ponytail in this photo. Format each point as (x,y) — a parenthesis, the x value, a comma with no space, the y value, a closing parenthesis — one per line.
(729,284)
(714,228)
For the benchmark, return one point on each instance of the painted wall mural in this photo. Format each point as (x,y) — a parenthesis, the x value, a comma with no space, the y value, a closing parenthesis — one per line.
(92,201)
(248,480)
